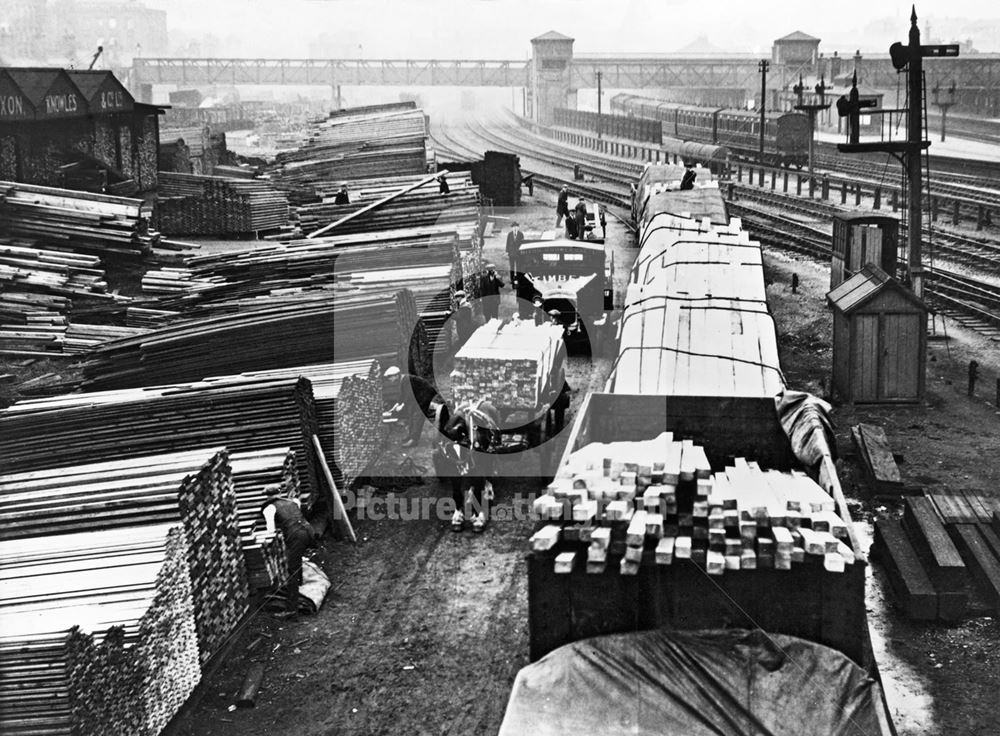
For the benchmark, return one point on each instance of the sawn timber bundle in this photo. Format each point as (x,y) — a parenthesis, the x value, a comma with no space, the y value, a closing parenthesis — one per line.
(91,223)
(217,205)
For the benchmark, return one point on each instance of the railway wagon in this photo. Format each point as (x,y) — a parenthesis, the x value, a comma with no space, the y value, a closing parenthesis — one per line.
(786,135)
(698,359)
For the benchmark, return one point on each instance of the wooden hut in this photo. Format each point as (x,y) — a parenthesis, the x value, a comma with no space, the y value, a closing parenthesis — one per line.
(879,339)
(860,238)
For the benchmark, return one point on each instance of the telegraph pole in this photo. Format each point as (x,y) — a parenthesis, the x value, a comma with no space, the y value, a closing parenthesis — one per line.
(599,125)
(944,105)
(763,65)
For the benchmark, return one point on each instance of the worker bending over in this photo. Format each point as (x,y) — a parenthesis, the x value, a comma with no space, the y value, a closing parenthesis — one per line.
(285,515)
(417,400)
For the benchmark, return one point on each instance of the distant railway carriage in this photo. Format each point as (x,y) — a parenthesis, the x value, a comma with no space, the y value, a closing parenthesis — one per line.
(786,134)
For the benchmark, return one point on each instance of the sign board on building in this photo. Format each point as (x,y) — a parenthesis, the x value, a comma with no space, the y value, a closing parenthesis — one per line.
(13,104)
(103,92)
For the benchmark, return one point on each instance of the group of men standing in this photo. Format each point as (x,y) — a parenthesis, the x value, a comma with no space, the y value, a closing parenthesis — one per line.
(576,220)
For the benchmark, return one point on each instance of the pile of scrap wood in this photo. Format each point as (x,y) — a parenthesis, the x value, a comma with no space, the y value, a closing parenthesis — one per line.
(241,414)
(97,631)
(659,500)
(944,542)
(359,143)
(194,489)
(349,409)
(266,333)
(90,223)
(216,205)
(511,365)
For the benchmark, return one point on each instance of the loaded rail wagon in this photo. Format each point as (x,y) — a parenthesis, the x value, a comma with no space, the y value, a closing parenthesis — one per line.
(696,517)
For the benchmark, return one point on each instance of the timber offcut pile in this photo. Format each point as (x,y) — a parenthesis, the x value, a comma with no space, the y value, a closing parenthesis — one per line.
(194,489)
(360,143)
(216,205)
(86,222)
(97,632)
(262,334)
(659,500)
(349,409)
(244,415)
(510,365)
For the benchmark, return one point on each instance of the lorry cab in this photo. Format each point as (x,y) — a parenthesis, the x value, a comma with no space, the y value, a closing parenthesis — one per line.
(571,276)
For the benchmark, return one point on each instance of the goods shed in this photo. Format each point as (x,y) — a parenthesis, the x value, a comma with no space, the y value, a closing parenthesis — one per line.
(78,129)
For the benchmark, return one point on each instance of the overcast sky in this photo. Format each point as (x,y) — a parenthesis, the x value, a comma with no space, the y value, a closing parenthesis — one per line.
(502,28)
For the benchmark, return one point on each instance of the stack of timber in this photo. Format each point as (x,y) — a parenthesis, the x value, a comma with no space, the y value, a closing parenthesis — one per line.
(242,414)
(263,552)
(921,563)
(349,409)
(216,205)
(97,632)
(146,317)
(509,365)
(362,143)
(659,500)
(146,490)
(302,329)
(420,207)
(194,488)
(57,336)
(696,321)
(92,223)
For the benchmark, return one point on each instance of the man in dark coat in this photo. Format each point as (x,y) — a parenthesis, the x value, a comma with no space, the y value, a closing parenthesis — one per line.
(418,401)
(562,206)
(580,218)
(443,187)
(284,515)
(343,197)
(491,293)
(515,238)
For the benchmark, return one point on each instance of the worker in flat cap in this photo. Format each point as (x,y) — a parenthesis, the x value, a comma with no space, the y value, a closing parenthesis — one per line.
(580,219)
(416,401)
(562,205)
(515,239)
(490,289)
(284,514)
(343,196)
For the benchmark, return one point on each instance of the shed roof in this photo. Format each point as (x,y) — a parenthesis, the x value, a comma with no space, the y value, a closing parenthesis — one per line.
(864,286)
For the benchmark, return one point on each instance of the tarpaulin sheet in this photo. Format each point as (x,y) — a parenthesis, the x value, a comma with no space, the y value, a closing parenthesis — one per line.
(724,683)
(806,420)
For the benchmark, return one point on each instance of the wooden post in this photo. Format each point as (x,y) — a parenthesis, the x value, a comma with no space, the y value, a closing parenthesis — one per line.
(774,178)
(878,198)
(739,173)
(760,178)
(934,209)
(785,183)
(798,184)
(894,198)
(956,214)
(825,187)
(843,192)
(857,194)
(812,186)
(339,512)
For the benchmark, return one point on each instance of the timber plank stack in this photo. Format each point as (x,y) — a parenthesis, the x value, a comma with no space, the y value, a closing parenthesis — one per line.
(260,334)
(509,365)
(217,205)
(243,415)
(349,410)
(97,632)
(971,535)
(659,500)
(362,143)
(922,563)
(92,223)
(193,488)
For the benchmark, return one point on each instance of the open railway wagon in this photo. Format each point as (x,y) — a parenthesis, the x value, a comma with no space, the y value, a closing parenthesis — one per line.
(519,369)
(695,561)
